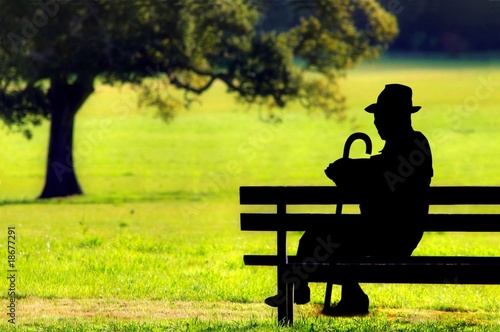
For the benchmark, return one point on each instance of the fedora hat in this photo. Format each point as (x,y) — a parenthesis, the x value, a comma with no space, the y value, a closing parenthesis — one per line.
(394,97)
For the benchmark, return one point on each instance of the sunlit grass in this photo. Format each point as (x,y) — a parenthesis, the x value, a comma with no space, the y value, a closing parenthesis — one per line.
(159,220)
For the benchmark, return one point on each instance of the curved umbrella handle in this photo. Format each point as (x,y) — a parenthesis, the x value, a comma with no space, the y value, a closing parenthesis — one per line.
(347,148)
(354,137)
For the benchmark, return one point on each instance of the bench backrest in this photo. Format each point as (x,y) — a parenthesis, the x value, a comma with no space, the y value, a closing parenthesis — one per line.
(282,196)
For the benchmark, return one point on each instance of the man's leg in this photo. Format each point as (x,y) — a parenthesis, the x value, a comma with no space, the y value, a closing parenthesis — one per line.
(353,301)
(309,243)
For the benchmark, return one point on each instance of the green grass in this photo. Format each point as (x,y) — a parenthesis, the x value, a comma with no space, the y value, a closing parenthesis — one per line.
(159,221)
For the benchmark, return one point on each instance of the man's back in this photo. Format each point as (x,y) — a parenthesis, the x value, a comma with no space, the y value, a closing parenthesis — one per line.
(399,177)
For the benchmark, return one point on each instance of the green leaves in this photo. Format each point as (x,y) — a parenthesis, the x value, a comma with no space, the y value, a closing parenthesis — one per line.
(191,44)
(337,35)
(23,107)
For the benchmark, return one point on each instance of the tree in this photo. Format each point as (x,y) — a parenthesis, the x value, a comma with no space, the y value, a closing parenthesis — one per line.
(52,52)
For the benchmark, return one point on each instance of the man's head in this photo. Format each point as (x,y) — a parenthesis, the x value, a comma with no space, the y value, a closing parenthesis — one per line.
(393,111)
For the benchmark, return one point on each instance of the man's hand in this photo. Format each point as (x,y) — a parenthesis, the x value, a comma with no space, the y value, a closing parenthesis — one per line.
(335,170)
(351,173)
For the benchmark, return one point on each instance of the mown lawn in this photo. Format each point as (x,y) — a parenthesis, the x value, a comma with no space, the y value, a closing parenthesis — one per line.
(154,244)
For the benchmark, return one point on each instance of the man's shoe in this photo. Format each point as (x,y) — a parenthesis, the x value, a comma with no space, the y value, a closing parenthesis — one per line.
(274,301)
(346,308)
(300,296)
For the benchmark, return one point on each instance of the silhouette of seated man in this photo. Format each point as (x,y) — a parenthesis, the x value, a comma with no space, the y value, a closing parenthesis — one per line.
(392,187)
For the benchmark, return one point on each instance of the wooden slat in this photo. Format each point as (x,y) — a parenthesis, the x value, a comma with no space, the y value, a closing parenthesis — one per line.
(417,269)
(293,195)
(409,274)
(294,222)
(318,221)
(272,260)
(464,195)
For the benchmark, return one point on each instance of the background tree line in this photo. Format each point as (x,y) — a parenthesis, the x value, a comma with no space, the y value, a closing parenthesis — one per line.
(446,26)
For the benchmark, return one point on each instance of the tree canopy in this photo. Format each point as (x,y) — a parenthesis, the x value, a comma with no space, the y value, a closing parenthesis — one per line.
(52,52)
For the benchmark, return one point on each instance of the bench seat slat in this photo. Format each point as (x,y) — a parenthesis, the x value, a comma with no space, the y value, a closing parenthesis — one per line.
(272,260)
(319,221)
(413,270)
(409,274)
(446,195)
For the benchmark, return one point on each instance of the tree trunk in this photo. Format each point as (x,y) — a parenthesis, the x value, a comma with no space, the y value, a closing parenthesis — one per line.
(65,100)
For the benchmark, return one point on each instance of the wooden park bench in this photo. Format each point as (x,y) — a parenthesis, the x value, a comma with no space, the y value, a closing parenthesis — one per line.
(415,269)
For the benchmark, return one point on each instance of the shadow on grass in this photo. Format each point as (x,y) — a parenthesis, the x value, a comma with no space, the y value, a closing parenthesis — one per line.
(113,198)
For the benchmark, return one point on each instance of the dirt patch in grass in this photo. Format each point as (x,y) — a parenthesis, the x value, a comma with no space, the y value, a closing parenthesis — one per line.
(38,310)
(32,309)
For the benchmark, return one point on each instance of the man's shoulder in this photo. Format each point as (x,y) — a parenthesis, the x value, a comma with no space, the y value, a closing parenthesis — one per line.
(421,142)
(418,135)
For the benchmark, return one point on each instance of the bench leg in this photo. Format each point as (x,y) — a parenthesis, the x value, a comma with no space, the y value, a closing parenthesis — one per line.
(328,295)
(285,308)
(289,302)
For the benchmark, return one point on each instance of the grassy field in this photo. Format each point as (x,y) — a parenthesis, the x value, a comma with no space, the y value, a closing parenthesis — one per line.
(154,244)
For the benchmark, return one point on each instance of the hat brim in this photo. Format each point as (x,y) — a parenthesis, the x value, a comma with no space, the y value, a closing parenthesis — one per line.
(375,107)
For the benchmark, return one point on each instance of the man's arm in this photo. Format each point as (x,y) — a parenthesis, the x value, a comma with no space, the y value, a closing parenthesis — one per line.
(351,174)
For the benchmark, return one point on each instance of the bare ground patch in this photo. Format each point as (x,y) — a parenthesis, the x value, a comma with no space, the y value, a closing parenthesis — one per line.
(33,309)
(39,310)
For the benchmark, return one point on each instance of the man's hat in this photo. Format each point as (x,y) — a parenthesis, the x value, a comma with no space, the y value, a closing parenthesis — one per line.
(395,97)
